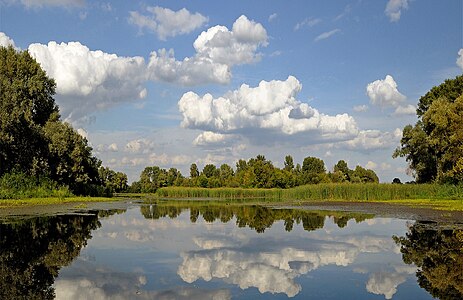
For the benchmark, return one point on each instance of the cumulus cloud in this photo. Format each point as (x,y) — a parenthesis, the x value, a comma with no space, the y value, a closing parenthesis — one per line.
(405,110)
(166,22)
(326,35)
(217,50)
(460,58)
(372,140)
(383,283)
(139,146)
(209,137)
(271,106)
(384,92)
(6,41)
(371,165)
(87,81)
(394,9)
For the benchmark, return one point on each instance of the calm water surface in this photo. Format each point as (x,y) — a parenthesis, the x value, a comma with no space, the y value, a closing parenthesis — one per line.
(227,252)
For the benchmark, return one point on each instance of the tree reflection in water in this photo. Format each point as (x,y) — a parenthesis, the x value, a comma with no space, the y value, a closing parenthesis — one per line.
(437,251)
(33,250)
(255,217)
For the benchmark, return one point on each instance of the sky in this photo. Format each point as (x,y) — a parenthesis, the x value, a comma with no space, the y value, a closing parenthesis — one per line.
(170,83)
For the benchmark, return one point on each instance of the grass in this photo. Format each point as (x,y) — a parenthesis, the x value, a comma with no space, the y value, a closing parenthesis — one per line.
(51,201)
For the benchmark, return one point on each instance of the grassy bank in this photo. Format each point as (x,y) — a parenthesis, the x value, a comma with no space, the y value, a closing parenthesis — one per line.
(51,201)
(331,191)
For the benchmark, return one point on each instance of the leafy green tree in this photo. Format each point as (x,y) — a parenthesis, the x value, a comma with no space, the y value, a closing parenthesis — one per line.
(289,163)
(434,146)
(26,104)
(363,175)
(70,158)
(152,178)
(194,172)
(210,170)
(226,175)
(313,170)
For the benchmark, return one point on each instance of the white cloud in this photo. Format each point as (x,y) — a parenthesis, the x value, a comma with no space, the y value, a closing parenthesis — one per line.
(6,41)
(88,81)
(139,146)
(326,35)
(43,3)
(271,106)
(383,283)
(460,58)
(83,133)
(309,22)
(361,108)
(272,17)
(384,92)
(405,110)
(372,140)
(166,22)
(394,9)
(371,165)
(209,137)
(113,147)
(217,50)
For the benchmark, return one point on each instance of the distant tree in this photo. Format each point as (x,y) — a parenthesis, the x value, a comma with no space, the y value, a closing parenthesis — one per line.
(289,163)
(363,175)
(194,172)
(209,170)
(313,170)
(226,174)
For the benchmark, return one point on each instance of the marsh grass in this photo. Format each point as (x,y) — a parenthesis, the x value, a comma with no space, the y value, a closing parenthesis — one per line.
(330,191)
(51,201)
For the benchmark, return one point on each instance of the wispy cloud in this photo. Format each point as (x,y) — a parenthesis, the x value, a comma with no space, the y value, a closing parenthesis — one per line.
(272,17)
(309,22)
(326,35)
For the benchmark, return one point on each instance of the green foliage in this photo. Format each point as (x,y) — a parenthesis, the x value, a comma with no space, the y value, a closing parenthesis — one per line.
(33,140)
(434,146)
(16,185)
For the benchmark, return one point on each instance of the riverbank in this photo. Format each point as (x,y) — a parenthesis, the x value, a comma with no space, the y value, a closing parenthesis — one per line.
(7,203)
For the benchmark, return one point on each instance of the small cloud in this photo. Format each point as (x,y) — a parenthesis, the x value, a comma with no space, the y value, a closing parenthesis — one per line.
(113,147)
(405,110)
(346,11)
(361,108)
(394,9)
(272,17)
(371,165)
(166,22)
(83,15)
(276,53)
(309,22)
(384,92)
(326,35)
(460,58)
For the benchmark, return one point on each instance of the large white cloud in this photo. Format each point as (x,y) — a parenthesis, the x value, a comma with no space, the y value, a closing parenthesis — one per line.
(217,50)
(6,41)
(384,92)
(166,22)
(87,80)
(394,9)
(460,58)
(272,106)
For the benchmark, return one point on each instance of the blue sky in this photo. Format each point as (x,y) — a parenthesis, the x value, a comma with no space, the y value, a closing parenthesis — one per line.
(332,79)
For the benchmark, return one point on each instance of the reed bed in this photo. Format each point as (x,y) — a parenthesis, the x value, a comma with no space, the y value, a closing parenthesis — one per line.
(329,191)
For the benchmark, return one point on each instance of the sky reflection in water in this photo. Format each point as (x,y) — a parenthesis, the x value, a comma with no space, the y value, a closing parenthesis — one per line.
(131,256)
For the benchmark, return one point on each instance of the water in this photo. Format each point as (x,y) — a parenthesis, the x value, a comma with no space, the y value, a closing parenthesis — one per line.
(227,252)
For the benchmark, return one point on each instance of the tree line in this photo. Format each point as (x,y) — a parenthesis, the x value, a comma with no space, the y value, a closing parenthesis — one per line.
(257,172)
(34,143)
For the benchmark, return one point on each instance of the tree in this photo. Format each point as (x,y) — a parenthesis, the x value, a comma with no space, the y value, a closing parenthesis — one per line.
(194,172)
(313,170)
(363,175)
(289,163)
(209,170)
(434,146)
(26,104)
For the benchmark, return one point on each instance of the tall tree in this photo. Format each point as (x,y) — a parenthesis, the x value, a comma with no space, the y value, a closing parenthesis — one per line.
(434,146)
(26,104)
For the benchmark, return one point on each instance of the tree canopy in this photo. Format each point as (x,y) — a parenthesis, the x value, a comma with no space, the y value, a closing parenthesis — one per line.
(33,139)
(433,147)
